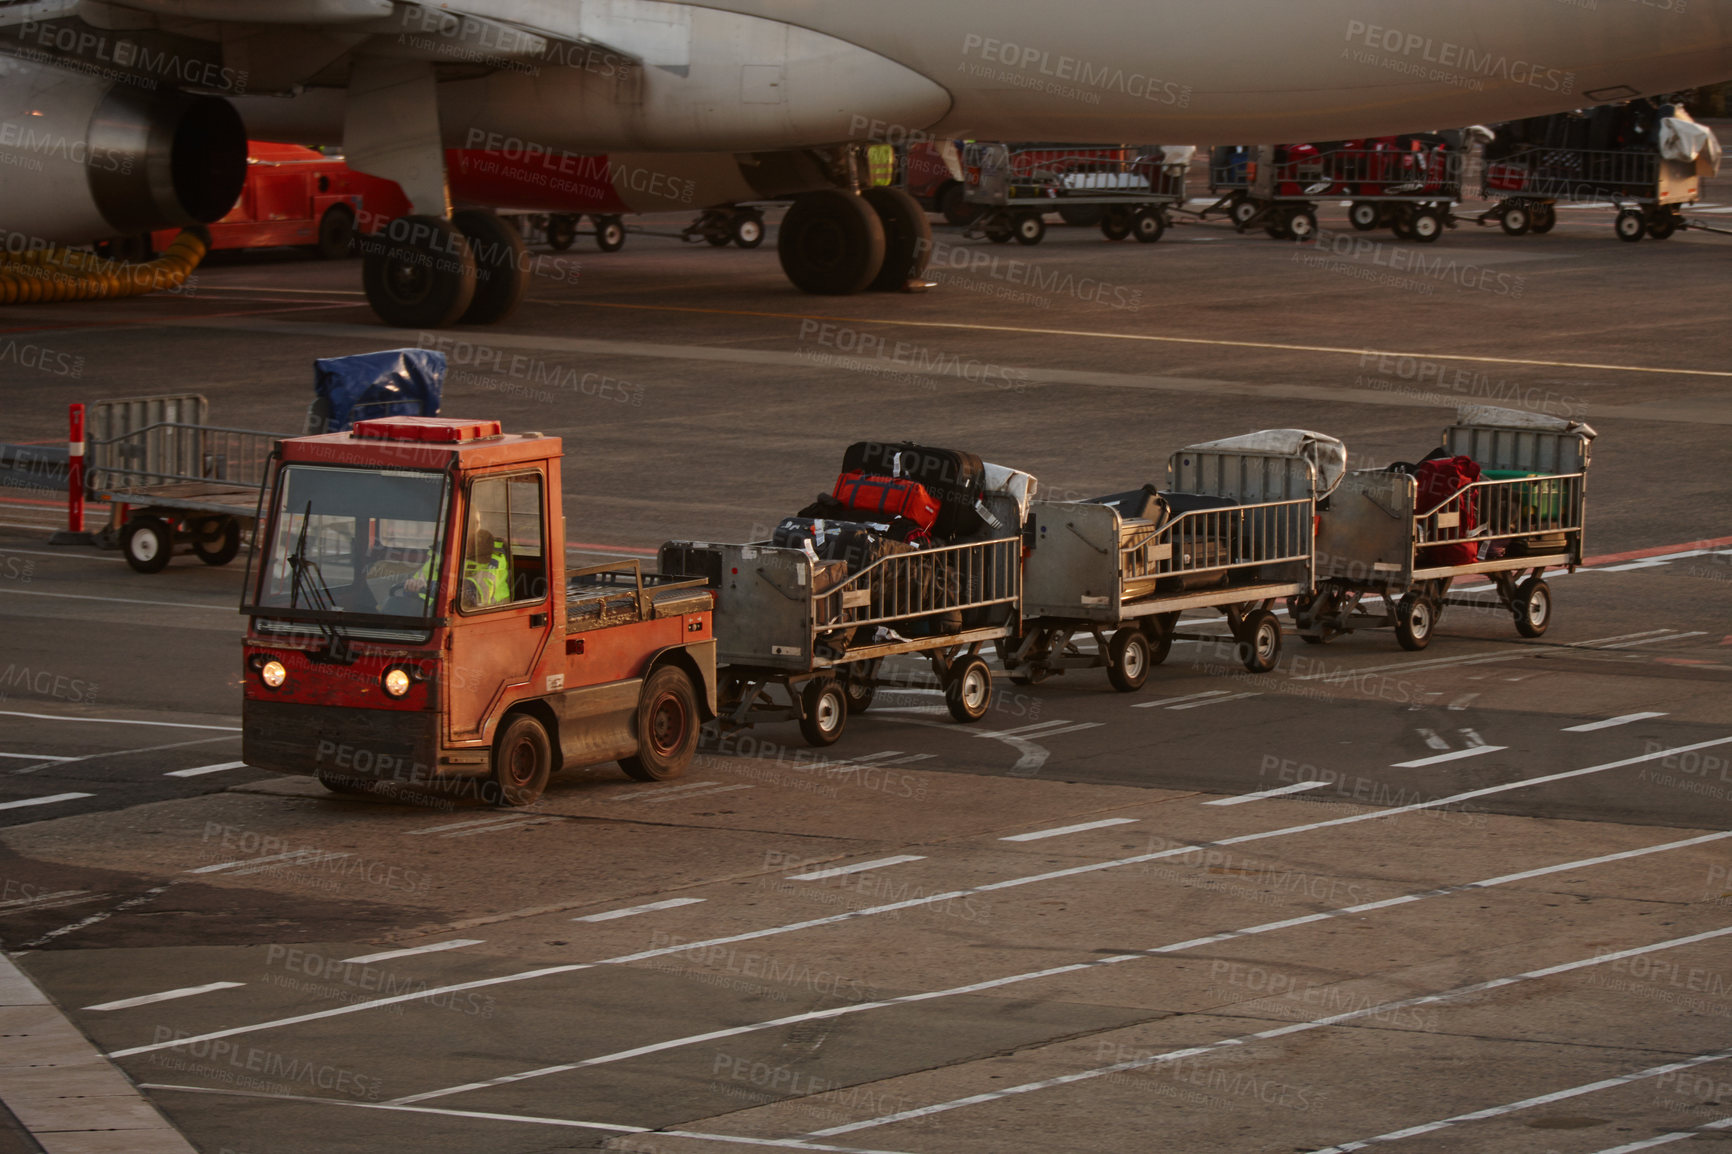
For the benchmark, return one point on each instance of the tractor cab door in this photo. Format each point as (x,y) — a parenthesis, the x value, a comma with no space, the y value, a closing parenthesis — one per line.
(502,619)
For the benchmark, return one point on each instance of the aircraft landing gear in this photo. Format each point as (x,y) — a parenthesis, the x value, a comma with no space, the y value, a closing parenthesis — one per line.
(831,243)
(419,272)
(501,265)
(907,238)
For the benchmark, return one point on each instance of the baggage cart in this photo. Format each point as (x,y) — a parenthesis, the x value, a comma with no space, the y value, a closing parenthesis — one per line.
(1124,582)
(172,478)
(1648,190)
(821,645)
(1409,184)
(1132,190)
(1375,537)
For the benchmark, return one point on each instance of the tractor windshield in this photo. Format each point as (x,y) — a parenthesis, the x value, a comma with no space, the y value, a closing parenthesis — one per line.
(364,541)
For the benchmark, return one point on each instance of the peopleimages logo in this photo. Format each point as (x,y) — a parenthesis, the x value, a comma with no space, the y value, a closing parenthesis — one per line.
(1451,60)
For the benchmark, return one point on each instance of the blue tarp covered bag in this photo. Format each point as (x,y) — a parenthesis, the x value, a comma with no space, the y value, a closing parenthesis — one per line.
(391,383)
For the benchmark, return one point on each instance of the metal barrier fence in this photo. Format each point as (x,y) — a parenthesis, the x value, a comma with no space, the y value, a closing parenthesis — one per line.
(168,452)
(925,582)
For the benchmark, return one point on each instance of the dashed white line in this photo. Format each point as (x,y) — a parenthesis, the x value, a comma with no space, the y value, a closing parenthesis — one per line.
(434,948)
(1609,722)
(1241,799)
(1452,755)
(1668,1139)
(1215,701)
(117,721)
(253,862)
(695,793)
(1043,834)
(1028,732)
(200,771)
(465,824)
(35,757)
(857,867)
(500,826)
(1176,700)
(633,911)
(1656,640)
(49,800)
(165,996)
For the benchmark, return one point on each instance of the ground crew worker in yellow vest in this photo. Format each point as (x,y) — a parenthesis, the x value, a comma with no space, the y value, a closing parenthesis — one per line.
(486,572)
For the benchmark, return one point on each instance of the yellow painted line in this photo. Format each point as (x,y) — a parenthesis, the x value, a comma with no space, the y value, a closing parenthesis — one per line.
(1162,340)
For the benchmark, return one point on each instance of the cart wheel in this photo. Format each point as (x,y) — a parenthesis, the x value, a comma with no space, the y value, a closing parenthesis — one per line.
(667,727)
(1413,622)
(1427,225)
(953,205)
(1277,226)
(1033,675)
(347,786)
(1302,225)
(1260,641)
(561,232)
(1516,220)
(717,239)
(1030,228)
(969,693)
(1533,607)
(1545,218)
(218,541)
(1128,661)
(522,762)
(1364,216)
(1630,226)
(1662,224)
(1147,225)
(825,711)
(1159,629)
(1081,216)
(148,543)
(1115,224)
(998,228)
(859,689)
(1243,212)
(1401,222)
(748,230)
(609,233)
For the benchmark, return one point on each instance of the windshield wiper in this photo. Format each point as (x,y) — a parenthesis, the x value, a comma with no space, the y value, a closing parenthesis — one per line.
(307,573)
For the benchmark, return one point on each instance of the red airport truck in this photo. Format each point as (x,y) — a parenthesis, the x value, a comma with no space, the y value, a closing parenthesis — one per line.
(413,624)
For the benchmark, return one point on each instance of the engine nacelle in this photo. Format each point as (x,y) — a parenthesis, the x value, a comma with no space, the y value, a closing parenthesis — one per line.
(83,158)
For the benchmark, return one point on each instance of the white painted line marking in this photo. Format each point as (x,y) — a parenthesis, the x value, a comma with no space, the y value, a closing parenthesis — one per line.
(62,554)
(257,861)
(120,600)
(1452,755)
(1242,798)
(1026,731)
(49,800)
(1433,740)
(204,769)
(655,792)
(1668,1139)
(699,793)
(858,867)
(1043,834)
(1176,700)
(43,898)
(434,948)
(1027,879)
(1657,640)
(1215,701)
(465,824)
(1609,722)
(36,757)
(497,827)
(1277,1032)
(633,911)
(307,857)
(1056,732)
(1598,641)
(165,996)
(1528,1103)
(115,721)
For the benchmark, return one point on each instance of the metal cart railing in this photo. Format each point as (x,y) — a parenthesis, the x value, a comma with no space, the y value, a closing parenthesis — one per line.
(1376,538)
(1409,185)
(1131,191)
(1648,190)
(1092,572)
(172,479)
(823,646)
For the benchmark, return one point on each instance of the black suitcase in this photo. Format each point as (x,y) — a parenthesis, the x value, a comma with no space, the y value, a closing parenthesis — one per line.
(856,543)
(956,480)
(1145,504)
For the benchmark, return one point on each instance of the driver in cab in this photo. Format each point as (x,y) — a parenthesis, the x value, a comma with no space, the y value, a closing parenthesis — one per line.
(486,573)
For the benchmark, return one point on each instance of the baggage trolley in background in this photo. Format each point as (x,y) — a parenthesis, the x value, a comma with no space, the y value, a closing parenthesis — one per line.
(822,646)
(1133,190)
(1648,190)
(1238,540)
(171,478)
(1526,516)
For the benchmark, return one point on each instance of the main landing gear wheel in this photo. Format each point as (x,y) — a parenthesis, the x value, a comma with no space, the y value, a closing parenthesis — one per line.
(1533,607)
(1115,224)
(217,541)
(824,711)
(1029,228)
(1364,216)
(147,543)
(1128,660)
(969,692)
(667,727)
(501,266)
(831,243)
(609,233)
(522,762)
(1414,620)
(1260,641)
(561,232)
(418,273)
(1631,225)
(1147,225)
(907,238)
(1516,221)
(336,233)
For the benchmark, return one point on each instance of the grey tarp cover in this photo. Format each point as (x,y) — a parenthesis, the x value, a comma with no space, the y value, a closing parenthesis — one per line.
(1327,455)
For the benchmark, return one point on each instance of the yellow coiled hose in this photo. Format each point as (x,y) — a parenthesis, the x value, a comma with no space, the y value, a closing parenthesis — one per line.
(64,274)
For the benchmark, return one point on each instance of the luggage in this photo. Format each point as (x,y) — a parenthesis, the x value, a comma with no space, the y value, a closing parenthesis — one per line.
(1439,479)
(857,544)
(886,497)
(1145,504)
(954,479)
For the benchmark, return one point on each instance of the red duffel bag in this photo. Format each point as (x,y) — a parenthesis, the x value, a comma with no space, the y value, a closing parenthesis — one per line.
(885,497)
(1439,480)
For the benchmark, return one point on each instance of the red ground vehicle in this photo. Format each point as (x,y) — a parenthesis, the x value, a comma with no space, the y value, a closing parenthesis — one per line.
(412,622)
(296,196)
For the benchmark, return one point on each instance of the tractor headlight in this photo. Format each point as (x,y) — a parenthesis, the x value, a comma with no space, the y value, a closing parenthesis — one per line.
(273,674)
(396,682)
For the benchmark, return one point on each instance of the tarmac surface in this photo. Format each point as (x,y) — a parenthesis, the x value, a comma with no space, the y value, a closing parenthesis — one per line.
(1476,898)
